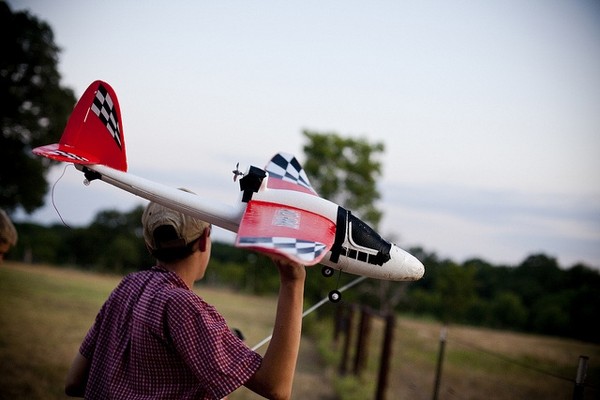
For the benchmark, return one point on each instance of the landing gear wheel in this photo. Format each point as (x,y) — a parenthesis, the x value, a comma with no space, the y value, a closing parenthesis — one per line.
(327,272)
(335,296)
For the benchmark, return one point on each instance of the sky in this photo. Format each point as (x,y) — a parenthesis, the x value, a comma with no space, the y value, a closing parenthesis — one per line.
(489,111)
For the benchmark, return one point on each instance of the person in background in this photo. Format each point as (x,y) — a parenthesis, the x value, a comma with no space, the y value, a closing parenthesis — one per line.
(8,235)
(154,338)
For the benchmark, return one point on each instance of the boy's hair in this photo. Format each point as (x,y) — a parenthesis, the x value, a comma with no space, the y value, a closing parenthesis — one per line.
(180,250)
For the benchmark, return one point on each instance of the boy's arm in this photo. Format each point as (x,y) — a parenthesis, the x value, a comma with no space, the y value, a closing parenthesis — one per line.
(275,376)
(77,376)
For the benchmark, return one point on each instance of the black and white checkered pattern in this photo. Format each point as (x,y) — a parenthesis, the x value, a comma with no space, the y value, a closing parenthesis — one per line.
(302,249)
(286,167)
(72,156)
(104,108)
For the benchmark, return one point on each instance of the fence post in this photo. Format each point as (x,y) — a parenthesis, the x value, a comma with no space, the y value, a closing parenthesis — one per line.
(580,378)
(362,342)
(438,372)
(386,354)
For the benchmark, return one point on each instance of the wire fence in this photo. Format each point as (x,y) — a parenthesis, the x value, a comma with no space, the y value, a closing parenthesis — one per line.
(344,325)
(353,329)
(512,361)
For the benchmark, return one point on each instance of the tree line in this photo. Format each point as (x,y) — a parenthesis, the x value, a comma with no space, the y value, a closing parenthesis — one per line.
(537,295)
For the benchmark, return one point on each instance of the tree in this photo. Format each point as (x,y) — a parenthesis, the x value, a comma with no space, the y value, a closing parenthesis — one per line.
(345,171)
(455,285)
(506,310)
(535,277)
(34,107)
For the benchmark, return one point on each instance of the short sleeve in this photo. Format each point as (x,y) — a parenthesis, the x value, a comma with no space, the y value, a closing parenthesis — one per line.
(218,358)
(91,338)
(90,341)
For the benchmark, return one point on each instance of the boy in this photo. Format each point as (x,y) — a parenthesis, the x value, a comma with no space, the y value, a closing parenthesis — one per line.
(155,338)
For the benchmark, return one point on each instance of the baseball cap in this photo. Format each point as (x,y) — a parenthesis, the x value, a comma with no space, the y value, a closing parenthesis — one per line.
(187,229)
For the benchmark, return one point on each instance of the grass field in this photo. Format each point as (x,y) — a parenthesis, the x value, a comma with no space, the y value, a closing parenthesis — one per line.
(45,312)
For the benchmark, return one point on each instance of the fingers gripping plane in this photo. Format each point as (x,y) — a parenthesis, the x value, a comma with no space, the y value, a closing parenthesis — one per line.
(279,212)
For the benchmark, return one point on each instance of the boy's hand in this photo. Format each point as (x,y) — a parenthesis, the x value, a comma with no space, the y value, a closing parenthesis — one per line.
(289,270)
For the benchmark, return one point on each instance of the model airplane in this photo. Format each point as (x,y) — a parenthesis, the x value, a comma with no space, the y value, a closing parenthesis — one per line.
(279,211)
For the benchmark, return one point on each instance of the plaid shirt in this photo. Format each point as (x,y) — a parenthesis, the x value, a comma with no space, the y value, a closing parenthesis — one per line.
(156,339)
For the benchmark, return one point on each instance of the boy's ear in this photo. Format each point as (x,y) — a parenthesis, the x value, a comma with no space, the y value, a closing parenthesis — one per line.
(203,240)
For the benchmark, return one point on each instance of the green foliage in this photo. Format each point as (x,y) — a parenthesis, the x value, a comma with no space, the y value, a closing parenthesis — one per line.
(113,242)
(550,313)
(455,286)
(345,171)
(506,310)
(39,244)
(34,108)
(121,254)
(535,296)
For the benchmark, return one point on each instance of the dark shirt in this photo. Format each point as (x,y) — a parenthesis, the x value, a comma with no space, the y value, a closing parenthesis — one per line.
(156,339)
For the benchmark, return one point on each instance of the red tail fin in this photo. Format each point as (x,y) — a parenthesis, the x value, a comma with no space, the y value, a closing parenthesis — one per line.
(94,132)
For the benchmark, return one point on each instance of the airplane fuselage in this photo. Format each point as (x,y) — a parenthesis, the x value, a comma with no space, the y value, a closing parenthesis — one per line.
(357,248)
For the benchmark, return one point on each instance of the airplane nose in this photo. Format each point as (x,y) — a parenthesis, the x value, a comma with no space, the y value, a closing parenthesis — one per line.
(409,267)
(416,266)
